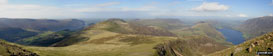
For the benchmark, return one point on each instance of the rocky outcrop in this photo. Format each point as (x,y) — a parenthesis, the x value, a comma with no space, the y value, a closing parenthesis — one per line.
(14,50)
(263,43)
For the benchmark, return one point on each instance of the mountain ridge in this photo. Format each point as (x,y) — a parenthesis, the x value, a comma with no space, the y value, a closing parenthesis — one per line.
(15,29)
(257,26)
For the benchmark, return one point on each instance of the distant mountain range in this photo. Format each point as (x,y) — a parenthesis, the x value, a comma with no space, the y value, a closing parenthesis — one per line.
(168,24)
(257,26)
(16,29)
(41,24)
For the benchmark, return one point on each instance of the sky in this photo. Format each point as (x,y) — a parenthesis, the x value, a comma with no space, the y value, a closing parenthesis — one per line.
(134,8)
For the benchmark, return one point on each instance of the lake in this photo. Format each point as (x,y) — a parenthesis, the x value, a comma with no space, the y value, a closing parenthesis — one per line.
(233,36)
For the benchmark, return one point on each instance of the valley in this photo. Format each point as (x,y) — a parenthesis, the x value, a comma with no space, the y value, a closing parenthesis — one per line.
(234,36)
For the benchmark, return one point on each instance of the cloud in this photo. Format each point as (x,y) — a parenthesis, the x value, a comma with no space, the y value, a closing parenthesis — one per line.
(93,9)
(99,10)
(270,15)
(242,15)
(104,8)
(120,12)
(228,15)
(34,11)
(212,6)
(143,8)
(3,2)
(175,3)
(98,7)
(107,10)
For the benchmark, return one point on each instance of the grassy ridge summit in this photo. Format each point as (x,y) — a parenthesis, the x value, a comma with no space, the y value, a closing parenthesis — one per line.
(257,26)
(117,26)
(209,30)
(121,26)
(250,47)
(9,49)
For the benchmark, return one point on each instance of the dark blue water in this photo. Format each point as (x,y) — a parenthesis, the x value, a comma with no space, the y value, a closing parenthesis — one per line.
(233,36)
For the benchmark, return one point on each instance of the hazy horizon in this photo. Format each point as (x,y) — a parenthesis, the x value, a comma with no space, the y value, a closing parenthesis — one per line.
(60,9)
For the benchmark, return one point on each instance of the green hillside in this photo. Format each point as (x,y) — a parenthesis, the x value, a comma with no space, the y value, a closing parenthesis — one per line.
(191,46)
(14,29)
(9,49)
(202,29)
(181,30)
(250,47)
(200,39)
(14,34)
(121,26)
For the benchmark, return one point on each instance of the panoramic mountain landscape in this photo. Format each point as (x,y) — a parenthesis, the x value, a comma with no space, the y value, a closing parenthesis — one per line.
(136,28)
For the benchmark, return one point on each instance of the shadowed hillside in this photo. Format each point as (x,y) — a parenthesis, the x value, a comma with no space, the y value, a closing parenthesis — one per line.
(46,39)
(14,34)
(16,29)
(257,26)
